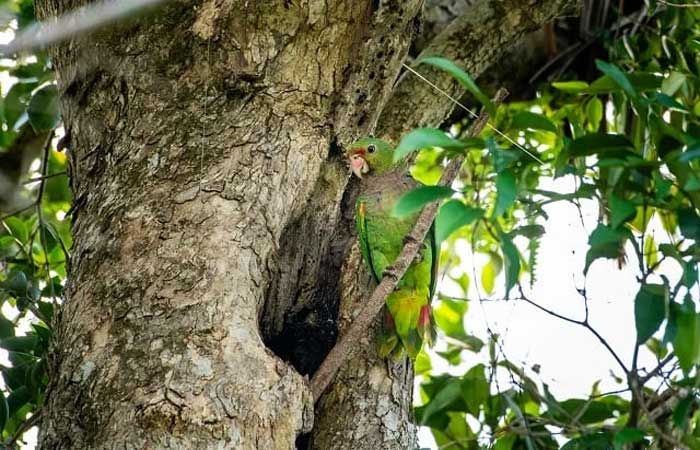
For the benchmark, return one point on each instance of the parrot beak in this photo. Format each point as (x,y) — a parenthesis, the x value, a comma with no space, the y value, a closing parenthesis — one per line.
(358,165)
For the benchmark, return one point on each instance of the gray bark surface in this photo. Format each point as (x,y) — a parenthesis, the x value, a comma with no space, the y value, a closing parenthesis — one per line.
(212,220)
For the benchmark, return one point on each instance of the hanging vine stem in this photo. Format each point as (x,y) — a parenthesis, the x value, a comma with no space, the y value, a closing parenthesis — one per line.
(414,242)
(40,220)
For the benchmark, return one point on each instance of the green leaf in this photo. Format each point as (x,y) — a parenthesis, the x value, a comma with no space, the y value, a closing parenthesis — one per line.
(595,441)
(17,284)
(692,153)
(594,113)
(24,344)
(43,109)
(621,211)
(690,275)
(473,142)
(507,192)
(693,183)
(425,138)
(18,398)
(529,231)
(7,328)
(415,199)
(617,75)
(670,251)
(502,159)
(683,410)
(657,348)
(592,144)
(4,411)
(672,83)
(686,343)
(506,442)
(650,310)
(627,436)
(48,235)
(452,216)
(689,223)
(449,317)
(668,102)
(422,364)
(511,258)
(472,343)
(529,120)
(572,87)
(475,389)
(464,79)
(488,277)
(453,354)
(445,397)
(643,82)
(16,102)
(16,227)
(605,242)
(651,254)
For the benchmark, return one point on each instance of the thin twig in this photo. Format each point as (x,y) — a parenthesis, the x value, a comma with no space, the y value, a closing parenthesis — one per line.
(44,177)
(18,211)
(680,5)
(414,242)
(40,217)
(583,323)
(656,370)
(23,427)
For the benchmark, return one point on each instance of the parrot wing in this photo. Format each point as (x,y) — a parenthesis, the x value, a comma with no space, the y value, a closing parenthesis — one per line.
(363,234)
(435,262)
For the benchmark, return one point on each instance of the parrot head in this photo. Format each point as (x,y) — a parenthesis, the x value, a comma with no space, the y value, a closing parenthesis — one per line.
(370,155)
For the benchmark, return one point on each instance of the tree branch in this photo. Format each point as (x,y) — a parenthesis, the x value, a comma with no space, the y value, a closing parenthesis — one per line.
(583,323)
(473,41)
(657,369)
(414,241)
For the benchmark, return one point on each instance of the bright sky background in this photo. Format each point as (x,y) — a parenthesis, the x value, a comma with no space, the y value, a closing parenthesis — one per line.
(571,358)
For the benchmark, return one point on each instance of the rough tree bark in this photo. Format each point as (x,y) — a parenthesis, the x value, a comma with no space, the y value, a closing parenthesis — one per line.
(211,225)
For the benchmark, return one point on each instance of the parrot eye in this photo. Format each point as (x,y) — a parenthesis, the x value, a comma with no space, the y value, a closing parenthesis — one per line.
(371,148)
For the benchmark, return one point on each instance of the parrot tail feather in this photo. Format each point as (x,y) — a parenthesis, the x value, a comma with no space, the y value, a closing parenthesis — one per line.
(387,338)
(426,325)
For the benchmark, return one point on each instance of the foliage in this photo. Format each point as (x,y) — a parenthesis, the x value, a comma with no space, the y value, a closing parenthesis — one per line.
(34,238)
(628,133)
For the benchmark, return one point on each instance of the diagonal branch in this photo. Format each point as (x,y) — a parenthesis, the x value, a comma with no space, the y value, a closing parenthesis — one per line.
(474,40)
(359,327)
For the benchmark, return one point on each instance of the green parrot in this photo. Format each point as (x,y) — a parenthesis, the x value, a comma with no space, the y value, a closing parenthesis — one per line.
(407,321)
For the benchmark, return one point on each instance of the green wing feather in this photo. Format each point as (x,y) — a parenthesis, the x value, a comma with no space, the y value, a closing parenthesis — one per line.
(365,249)
(435,263)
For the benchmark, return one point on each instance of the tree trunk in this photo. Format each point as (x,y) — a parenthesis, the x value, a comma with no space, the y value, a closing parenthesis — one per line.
(212,223)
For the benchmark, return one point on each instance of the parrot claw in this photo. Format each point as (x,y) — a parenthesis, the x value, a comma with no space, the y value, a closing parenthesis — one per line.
(408,239)
(390,272)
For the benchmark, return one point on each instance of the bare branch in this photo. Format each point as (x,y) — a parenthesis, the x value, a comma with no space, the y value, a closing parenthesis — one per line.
(679,5)
(657,369)
(583,323)
(81,20)
(340,352)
